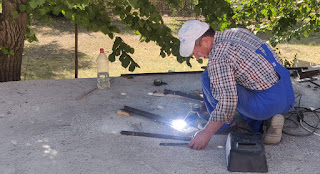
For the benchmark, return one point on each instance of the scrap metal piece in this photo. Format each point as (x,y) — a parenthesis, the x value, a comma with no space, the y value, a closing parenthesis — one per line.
(87,93)
(306,74)
(174,144)
(311,81)
(165,73)
(149,115)
(179,93)
(153,135)
(314,83)
(158,82)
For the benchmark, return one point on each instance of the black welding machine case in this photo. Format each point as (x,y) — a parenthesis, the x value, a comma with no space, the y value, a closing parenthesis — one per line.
(245,153)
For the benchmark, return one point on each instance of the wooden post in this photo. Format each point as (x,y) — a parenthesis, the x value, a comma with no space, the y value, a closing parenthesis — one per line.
(76,51)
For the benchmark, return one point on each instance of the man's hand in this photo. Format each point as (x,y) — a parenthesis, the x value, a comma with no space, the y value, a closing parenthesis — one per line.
(202,138)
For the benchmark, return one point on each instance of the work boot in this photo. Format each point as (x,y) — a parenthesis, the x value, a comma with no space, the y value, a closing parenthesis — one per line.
(273,129)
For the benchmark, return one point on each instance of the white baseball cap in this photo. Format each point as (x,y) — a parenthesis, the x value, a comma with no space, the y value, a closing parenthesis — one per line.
(189,33)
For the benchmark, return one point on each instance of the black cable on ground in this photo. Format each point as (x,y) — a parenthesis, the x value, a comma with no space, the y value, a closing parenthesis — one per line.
(300,113)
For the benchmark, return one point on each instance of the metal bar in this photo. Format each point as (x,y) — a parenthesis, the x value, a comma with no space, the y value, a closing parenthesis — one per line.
(168,73)
(314,83)
(85,94)
(311,81)
(149,115)
(168,91)
(308,74)
(153,135)
(297,68)
(174,144)
(76,51)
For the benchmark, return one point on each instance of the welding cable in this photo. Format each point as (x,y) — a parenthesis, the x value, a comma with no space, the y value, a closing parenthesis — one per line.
(313,132)
(300,116)
(296,127)
(299,111)
(314,127)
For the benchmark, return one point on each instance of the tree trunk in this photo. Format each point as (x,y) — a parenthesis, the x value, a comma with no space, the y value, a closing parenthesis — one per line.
(12,35)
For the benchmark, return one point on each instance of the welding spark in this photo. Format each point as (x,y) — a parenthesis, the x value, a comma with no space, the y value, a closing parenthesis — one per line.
(178,124)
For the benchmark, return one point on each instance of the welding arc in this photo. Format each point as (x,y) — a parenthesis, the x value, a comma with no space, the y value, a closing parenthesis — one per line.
(153,135)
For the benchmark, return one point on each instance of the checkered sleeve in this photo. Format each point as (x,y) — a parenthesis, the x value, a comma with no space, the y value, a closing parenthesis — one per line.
(223,85)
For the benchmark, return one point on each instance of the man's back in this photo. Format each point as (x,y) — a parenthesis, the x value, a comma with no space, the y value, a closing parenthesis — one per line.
(236,48)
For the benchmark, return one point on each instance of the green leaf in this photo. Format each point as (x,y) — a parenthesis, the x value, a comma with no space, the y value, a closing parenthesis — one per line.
(128,9)
(131,50)
(162,54)
(63,12)
(14,14)
(33,4)
(132,67)
(43,11)
(134,2)
(122,57)
(200,61)
(117,52)
(56,10)
(137,32)
(189,64)
(5,50)
(11,52)
(104,29)
(126,61)
(41,2)
(22,8)
(112,57)
(110,35)
(29,9)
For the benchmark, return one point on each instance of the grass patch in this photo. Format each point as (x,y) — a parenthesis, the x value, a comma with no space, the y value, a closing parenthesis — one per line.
(53,56)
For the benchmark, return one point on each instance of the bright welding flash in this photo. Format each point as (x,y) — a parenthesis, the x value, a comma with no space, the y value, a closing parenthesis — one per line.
(178,124)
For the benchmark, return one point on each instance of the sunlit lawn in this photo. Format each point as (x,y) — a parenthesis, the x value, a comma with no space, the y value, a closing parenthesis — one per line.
(53,56)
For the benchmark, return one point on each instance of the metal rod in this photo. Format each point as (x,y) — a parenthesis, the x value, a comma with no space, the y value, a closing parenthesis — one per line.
(168,73)
(153,135)
(311,81)
(85,94)
(308,74)
(314,83)
(76,51)
(179,93)
(149,115)
(174,144)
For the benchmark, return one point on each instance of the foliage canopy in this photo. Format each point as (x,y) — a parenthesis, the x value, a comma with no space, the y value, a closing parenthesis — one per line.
(284,19)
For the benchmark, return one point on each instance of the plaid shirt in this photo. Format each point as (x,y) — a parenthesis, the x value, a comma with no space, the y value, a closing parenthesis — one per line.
(231,64)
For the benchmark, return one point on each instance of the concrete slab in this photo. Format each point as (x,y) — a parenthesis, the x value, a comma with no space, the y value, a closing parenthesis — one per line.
(45,129)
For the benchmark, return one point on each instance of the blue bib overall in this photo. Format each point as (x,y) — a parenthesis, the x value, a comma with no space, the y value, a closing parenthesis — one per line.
(254,106)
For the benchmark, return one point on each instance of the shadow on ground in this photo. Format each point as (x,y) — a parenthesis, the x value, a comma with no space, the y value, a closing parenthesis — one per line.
(50,61)
(63,25)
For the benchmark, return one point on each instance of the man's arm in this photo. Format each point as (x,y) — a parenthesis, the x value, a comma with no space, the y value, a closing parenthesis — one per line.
(202,138)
